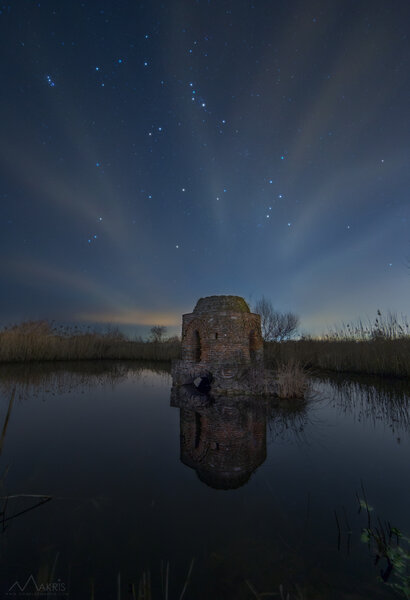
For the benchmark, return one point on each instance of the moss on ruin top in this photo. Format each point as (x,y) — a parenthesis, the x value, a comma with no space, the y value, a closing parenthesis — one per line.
(221,304)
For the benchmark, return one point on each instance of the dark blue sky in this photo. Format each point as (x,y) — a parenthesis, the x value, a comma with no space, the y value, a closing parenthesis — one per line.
(155,152)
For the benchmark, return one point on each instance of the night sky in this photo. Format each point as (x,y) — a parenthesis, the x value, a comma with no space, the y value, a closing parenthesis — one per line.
(155,152)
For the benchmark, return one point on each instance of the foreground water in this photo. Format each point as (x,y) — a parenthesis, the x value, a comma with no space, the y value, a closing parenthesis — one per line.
(104,483)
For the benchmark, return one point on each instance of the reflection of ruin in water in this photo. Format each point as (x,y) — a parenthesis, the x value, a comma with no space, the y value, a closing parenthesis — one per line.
(223,440)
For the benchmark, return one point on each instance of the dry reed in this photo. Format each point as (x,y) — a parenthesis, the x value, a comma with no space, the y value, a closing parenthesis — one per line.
(292,380)
(39,341)
(381,347)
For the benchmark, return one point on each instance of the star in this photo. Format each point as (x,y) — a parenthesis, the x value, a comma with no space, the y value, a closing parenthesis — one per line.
(50,81)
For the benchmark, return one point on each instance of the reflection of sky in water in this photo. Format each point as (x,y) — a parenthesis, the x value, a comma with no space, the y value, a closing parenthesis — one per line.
(108,450)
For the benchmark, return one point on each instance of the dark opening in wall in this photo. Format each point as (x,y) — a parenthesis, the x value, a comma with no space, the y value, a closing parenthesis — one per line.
(203,384)
(196,347)
(198,427)
(253,345)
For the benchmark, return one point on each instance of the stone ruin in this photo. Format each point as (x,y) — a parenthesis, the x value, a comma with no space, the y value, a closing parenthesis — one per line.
(222,349)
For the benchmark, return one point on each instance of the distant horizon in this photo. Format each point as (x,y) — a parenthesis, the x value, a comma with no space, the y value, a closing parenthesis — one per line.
(142,330)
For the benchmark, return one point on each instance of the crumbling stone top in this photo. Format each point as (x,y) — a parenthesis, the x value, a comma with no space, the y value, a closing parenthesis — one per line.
(216,304)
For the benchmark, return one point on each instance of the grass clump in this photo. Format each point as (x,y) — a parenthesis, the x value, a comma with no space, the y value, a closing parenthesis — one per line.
(390,548)
(41,341)
(292,380)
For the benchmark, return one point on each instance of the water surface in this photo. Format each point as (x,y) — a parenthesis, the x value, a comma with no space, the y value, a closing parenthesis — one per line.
(259,495)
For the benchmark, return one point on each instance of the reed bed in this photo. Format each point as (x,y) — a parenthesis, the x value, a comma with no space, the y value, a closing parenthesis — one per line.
(40,341)
(380,347)
(387,358)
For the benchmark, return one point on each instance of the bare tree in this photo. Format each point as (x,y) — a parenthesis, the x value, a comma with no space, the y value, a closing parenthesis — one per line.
(158,332)
(276,326)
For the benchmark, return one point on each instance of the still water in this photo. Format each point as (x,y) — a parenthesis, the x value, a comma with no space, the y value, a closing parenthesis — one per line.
(107,481)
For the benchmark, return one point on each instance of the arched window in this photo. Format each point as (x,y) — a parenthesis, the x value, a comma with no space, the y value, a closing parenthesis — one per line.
(196,346)
(253,346)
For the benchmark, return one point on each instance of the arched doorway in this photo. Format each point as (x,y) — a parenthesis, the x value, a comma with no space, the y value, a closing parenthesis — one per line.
(196,346)
(253,346)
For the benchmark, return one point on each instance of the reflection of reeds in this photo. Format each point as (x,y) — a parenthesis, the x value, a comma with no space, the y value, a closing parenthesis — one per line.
(63,377)
(381,347)
(39,341)
(282,594)
(6,420)
(287,420)
(145,585)
(373,400)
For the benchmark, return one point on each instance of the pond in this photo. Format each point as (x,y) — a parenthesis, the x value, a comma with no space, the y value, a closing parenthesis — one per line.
(108,482)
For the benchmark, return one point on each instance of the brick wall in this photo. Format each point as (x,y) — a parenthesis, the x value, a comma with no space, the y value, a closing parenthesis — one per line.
(221,330)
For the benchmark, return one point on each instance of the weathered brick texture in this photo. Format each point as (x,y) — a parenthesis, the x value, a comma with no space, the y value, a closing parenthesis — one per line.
(222,343)
(221,331)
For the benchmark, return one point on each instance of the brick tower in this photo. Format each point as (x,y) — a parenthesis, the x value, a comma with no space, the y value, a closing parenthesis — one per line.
(222,344)
(223,331)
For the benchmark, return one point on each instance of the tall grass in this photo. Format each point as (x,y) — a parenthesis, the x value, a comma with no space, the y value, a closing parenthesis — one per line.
(40,341)
(381,347)
(292,380)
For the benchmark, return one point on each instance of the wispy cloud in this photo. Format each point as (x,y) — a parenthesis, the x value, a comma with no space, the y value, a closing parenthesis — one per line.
(131,317)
